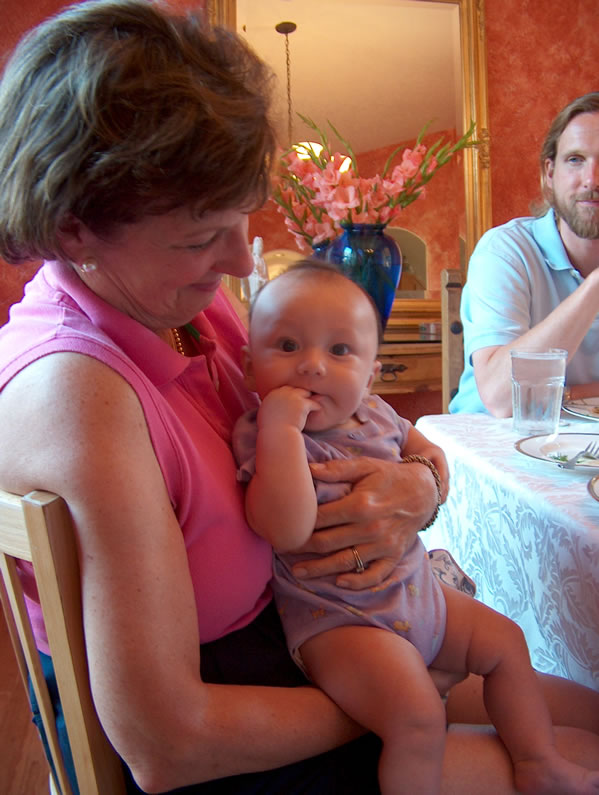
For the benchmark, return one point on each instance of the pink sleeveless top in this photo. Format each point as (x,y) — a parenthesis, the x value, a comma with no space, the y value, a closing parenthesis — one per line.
(190,406)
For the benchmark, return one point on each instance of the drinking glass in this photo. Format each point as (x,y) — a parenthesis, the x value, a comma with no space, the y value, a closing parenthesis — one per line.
(537,390)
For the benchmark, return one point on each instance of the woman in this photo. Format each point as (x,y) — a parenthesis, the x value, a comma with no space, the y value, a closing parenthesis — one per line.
(132,146)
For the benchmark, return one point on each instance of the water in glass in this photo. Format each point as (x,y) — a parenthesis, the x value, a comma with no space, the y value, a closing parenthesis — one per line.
(537,390)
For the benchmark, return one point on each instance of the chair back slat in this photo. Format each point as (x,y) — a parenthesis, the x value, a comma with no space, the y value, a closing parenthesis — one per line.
(14,531)
(38,528)
(13,632)
(18,617)
(452,334)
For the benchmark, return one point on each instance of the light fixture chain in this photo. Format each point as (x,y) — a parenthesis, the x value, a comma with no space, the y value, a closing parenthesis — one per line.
(285,28)
(289,107)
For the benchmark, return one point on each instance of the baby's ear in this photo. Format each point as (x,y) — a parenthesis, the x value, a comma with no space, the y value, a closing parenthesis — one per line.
(248,370)
(376,369)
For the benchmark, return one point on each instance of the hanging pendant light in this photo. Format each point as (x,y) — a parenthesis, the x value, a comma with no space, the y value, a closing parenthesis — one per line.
(285,28)
(303,148)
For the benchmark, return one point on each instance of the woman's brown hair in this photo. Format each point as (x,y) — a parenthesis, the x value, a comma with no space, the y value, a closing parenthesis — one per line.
(115,109)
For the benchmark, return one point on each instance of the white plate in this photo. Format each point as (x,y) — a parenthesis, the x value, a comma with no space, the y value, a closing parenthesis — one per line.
(585,407)
(558,448)
(593,486)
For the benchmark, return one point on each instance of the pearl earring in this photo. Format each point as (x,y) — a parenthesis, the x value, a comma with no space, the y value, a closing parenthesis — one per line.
(89,266)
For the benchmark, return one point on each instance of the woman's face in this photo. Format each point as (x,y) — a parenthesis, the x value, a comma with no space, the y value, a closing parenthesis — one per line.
(165,269)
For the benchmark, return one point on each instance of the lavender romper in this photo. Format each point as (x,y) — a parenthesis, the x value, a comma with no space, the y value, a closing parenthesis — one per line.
(409,602)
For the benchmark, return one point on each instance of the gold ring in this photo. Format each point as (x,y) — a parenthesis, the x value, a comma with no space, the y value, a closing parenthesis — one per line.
(360,567)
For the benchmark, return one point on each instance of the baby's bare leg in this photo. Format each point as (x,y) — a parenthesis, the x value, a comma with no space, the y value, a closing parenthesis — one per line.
(482,641)
(381,681)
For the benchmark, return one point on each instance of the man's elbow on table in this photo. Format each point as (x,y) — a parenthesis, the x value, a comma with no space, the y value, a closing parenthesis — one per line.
(495,404)
(493,383)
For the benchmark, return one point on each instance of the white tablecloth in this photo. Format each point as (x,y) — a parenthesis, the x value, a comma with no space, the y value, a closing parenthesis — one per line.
(528,533)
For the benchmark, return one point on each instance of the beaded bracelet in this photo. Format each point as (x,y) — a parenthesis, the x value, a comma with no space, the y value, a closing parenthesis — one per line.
(420,459)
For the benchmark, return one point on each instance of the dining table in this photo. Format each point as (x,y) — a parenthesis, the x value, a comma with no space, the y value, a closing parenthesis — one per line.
(526,531)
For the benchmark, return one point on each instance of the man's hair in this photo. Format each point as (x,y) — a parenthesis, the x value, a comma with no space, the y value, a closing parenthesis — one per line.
(115,109)
(589,103)
(325,270)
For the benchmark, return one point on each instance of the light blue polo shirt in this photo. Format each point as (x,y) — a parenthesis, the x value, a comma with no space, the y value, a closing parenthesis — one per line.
(517,275)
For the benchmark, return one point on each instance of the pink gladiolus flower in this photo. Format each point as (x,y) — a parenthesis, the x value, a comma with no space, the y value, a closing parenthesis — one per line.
(398,177)
(408,169)
(344,199)
(316,197)
(385,215)
(304,170)
(319,232)
(415,156)
(364,217)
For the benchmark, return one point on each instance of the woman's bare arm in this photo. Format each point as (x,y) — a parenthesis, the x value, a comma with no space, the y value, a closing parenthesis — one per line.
(71,425)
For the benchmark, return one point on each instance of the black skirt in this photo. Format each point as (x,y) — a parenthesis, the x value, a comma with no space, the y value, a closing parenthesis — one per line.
(257,655)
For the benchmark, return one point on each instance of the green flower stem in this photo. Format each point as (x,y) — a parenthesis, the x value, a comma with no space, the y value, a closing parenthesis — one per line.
(191,329)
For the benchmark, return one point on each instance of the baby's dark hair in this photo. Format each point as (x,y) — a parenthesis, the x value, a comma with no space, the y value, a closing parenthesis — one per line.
(322,269)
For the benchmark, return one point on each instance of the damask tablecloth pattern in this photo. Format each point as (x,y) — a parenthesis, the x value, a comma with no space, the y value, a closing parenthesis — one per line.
(527,532)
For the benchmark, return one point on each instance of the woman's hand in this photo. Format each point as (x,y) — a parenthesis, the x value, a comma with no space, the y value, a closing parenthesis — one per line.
(381,516)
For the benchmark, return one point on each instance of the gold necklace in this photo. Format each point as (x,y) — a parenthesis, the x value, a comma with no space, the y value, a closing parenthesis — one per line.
(178,341)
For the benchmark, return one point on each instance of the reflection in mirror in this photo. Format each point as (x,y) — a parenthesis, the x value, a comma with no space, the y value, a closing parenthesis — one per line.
(390,67)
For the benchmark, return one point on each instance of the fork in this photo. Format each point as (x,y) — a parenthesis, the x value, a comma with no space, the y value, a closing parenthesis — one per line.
(590,451)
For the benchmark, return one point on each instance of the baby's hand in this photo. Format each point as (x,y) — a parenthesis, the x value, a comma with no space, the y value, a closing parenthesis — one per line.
(286,406)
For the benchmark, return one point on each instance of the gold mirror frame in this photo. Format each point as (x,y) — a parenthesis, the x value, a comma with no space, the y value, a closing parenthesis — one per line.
(477,163)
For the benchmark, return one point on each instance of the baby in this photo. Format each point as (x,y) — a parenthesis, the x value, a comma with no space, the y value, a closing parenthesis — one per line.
(311,358)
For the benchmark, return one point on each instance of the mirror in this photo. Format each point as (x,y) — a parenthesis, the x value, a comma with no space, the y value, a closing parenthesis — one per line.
(461,26)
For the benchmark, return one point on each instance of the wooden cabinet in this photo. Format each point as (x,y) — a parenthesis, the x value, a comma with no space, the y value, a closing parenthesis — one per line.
(409,367)
(411,357)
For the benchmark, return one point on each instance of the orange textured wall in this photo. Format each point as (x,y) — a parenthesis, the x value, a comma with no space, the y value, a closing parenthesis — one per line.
(18,17)
(540,56)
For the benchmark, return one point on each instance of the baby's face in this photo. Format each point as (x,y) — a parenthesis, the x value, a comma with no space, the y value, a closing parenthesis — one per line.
(318,334)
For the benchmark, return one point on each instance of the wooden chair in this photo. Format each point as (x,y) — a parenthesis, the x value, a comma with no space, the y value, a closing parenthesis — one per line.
(38,528)
(452,334)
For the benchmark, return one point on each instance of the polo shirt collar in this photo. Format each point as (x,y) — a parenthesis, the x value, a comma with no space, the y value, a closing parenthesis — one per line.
(151,354)
(548,238)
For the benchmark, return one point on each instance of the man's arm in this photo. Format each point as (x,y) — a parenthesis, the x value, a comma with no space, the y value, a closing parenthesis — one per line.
(565,327)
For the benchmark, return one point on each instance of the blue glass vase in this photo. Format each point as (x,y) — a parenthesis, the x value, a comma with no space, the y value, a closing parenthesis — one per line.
(319,251)
(372,259)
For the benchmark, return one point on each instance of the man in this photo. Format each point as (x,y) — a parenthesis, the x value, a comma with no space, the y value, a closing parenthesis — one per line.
(534,282)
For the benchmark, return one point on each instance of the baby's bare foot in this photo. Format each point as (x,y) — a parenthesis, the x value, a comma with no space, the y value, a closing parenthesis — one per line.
(554,776)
